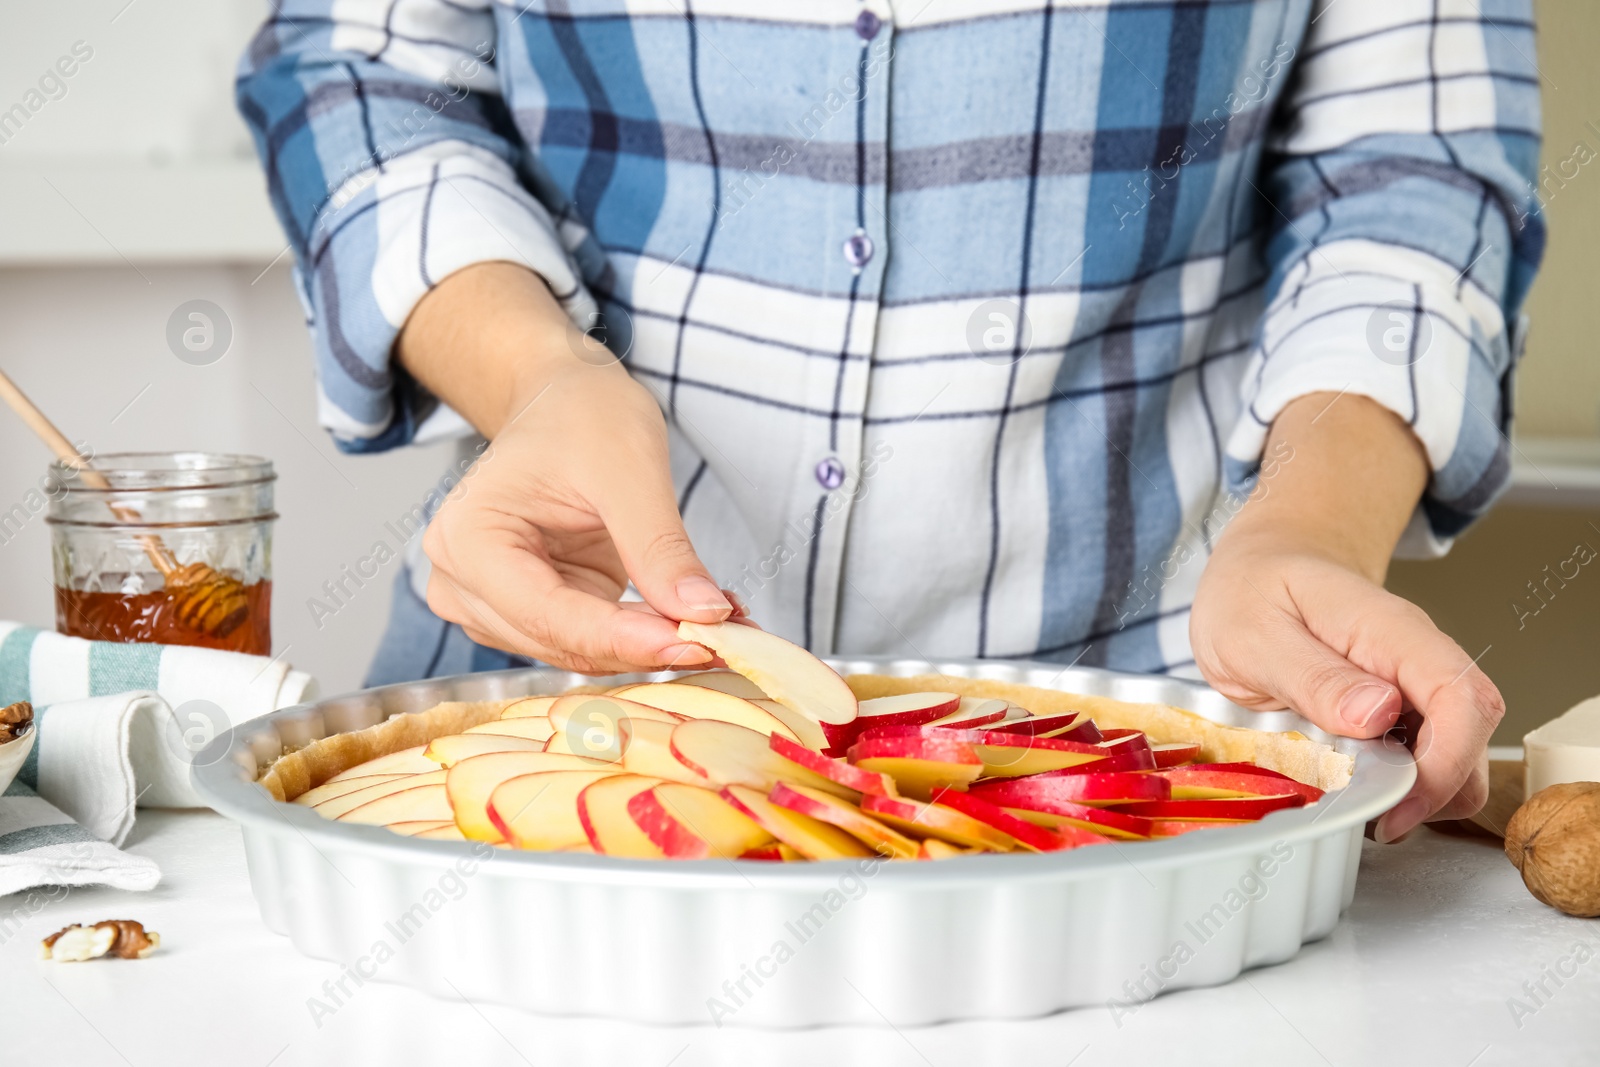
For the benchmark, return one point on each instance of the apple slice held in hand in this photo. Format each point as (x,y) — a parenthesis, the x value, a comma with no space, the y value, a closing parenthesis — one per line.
(880,838)
(539,811)
(904,709)
(471,782)
(687,822)
(785,672)
(603,813)
(732,755)
(812,838)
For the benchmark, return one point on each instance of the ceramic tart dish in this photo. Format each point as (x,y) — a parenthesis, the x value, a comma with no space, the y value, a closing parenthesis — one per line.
(764,944)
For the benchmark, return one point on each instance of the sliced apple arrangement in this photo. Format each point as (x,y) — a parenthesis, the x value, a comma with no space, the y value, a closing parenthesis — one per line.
(777,760)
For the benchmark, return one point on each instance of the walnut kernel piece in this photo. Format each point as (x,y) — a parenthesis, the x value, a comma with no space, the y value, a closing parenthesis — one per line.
(14,720)
(1554,840)
(124,938)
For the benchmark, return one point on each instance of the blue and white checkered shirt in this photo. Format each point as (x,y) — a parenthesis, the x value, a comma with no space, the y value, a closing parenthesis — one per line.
(967,315)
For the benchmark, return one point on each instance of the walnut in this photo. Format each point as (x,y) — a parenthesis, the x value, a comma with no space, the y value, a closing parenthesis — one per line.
(124,938)
(1554,840)
(14,720)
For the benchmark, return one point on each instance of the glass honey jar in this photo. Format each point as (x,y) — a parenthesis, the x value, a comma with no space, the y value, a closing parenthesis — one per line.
(172,548)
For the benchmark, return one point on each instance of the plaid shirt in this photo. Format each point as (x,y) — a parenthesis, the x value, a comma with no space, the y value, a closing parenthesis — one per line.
(969,317)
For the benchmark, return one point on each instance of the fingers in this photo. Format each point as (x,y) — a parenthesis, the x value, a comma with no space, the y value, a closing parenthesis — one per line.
(1460,709)
(643,521)
(507,596)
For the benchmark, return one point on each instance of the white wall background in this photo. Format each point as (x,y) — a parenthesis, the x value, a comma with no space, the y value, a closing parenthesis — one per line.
(132,193)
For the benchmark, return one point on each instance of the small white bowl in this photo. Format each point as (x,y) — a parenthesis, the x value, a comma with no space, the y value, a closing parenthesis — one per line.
(13,754)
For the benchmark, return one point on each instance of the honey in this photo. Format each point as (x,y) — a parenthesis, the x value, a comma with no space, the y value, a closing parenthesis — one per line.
(153,617)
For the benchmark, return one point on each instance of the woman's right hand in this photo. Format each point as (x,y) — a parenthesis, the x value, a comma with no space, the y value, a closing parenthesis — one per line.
(573,497)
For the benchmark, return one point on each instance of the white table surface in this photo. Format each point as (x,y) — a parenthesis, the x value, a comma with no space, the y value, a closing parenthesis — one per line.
(1419,972)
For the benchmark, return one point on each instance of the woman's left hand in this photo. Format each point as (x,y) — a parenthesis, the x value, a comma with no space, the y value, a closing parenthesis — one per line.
(1291,610)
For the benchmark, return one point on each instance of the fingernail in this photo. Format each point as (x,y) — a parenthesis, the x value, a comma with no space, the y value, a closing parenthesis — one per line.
(740,610)
(1361,705)
(702,594)
(1406,816)
(686,655)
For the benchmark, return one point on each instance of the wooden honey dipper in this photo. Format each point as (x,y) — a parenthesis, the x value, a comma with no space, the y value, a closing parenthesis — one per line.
(204,599)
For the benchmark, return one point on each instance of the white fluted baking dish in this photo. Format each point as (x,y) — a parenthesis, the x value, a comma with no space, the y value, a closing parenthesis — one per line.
(784,945)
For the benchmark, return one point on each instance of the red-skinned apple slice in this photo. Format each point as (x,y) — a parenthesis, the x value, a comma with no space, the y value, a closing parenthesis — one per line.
(1200,782)
(1246,768)
(471,782)
(1096,790)
(539,811)
(1060,815)
(422,802)
(687,822)
(698,702)
(732,755)
(914,818)
(530,727)
(1029,835)
(1135,759)
(880,838)
(529,707)
(1234,809)
(785,672)
(973,712)
(333,790)
(1073,726)
(811,838)
(903,709)
(338,806)
(406,761)
(450,750)
(603,814)
(1174,827)
(1175,753)
(919,764)
(836,770)
(772,853)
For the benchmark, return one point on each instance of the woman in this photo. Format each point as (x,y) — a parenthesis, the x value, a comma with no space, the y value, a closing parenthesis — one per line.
(960,331)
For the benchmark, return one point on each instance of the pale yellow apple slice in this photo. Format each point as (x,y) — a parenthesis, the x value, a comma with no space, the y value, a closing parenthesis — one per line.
(337,806)
(448,832)
(785,672)
(687,822)
(736,685)
(471,782)
(406,761)
(329,790)
(416,826)
(884,840)
(808,731)
(531,727)
(696,702)
(421,802)
(603,812)
(581,711)
(528,707)
(451,750)
(539,812)
(812,838)
(732,755)
(649,752)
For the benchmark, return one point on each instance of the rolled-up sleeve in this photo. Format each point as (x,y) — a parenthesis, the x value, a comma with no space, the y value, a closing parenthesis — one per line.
(391,163)
(1404,232)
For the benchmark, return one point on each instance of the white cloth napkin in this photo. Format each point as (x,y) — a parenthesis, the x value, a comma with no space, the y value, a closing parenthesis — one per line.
(41,846)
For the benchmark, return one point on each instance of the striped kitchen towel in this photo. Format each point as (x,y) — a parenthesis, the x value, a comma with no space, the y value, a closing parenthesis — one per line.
(119,724)
(40,846)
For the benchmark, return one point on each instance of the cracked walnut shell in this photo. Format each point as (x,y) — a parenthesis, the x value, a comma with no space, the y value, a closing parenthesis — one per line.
(123,938)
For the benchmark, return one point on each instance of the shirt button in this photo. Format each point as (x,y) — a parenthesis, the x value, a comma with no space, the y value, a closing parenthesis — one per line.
(830,473)
(867,25)
(858,249)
